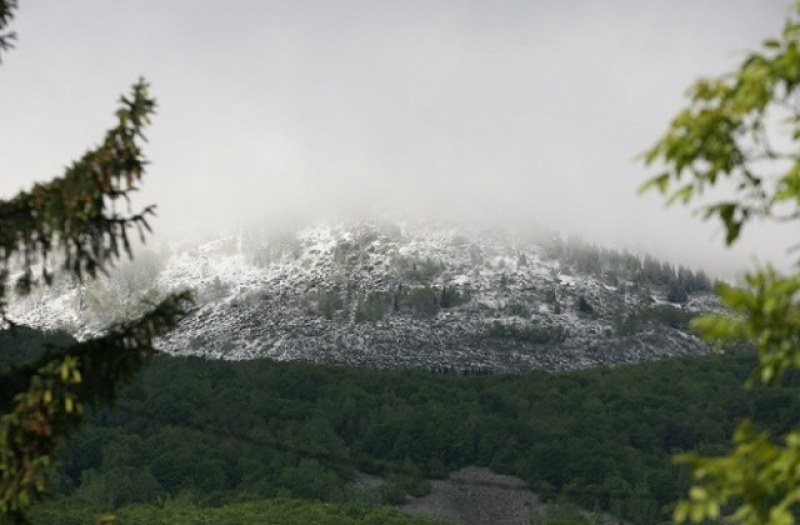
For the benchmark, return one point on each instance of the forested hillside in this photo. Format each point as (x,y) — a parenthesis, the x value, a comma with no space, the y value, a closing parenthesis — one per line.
(181,512)
(218,432)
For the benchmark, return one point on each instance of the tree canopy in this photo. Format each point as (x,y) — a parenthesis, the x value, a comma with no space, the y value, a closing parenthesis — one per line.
(71,227)
(599,438)
(739,136)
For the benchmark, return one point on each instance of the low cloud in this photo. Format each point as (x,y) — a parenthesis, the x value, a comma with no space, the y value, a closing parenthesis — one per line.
(516,112)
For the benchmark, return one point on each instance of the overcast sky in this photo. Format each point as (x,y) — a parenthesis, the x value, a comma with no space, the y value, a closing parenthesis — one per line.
(527,111)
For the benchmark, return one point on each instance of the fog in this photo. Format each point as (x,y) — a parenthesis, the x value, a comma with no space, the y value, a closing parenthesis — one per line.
(527,113)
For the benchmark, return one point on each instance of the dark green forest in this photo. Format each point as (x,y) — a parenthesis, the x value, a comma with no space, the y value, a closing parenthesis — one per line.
(217,433)
(285,511)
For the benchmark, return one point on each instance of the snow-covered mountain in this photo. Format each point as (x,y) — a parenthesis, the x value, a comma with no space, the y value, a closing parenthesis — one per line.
(387,295)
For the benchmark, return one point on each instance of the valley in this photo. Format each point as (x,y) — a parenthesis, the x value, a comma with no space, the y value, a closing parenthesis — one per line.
(452,348)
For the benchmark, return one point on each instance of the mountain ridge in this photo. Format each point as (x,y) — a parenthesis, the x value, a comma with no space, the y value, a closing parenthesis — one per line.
(392,295)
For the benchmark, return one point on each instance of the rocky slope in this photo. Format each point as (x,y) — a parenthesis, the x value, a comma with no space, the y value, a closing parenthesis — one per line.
(478,496)
(386,295)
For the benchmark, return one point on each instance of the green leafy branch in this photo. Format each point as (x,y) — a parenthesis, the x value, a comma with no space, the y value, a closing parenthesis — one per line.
(724,135)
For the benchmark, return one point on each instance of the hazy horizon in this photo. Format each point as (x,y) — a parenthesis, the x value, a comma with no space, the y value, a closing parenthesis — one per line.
(506,112)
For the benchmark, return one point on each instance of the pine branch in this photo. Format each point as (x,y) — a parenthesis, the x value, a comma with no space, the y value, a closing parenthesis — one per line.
(53,394)
(70,222)
(7,8)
